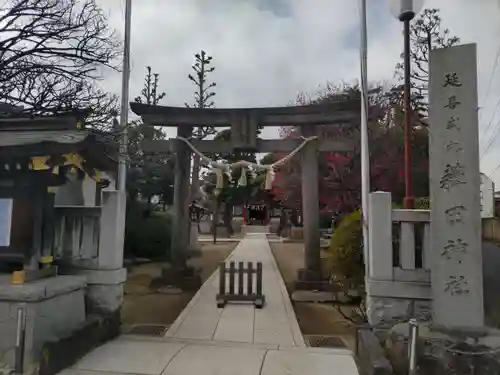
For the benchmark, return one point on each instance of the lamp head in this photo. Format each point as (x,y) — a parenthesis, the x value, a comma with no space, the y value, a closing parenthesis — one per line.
(405,10)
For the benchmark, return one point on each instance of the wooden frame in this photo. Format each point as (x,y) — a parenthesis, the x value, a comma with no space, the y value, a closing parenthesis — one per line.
(228,293)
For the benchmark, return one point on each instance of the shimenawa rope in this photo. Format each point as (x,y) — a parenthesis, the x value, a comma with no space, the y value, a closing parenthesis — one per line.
(221,168)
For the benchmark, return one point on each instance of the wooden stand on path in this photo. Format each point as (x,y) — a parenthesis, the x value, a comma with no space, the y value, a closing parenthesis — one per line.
(230,295)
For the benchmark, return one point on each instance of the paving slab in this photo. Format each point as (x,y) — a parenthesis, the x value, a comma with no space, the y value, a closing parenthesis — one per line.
(304,362)
(236,324)
(237,339)
(197,359)
(149,358)
(73,371)
(274,324)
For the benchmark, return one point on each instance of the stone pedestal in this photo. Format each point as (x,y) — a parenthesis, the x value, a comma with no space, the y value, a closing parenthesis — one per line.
(186,279)
(205,227)
(55,308)
(386,311)
(311,280)
(106,274)
(194,246)
(104,290)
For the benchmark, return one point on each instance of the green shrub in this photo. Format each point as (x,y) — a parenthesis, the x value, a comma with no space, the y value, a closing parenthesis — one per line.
(147,233)
(325,220)
(345,254)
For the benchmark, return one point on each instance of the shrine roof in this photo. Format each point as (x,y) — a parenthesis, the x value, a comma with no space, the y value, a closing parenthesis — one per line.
(51,135)
(39,124)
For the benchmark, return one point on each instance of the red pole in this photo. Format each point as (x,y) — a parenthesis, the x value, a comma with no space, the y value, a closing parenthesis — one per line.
(408,200)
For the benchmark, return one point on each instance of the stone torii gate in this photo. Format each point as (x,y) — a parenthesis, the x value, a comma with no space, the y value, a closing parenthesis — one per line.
(244,123)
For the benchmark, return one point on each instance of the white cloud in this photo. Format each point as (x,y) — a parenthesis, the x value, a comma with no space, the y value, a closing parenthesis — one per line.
(265,52)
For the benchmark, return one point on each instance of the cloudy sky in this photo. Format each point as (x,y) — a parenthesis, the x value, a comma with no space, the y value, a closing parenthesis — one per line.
(267,51)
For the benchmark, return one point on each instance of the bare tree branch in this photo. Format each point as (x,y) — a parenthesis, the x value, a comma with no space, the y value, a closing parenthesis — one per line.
(52,53)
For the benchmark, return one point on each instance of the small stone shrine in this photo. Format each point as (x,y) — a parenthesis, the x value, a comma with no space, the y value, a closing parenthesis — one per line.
(61,241)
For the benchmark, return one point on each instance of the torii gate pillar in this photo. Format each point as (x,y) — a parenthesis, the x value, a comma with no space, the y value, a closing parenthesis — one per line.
(310,276)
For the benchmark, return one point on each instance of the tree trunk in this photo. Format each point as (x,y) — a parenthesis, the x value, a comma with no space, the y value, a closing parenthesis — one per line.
(228,218)
(195,178)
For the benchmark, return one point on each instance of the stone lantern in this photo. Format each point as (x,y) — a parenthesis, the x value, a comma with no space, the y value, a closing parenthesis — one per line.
(195,214)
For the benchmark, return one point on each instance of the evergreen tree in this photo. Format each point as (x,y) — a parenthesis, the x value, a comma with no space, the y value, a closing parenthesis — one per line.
(426,34)
(148,175)
(203,99)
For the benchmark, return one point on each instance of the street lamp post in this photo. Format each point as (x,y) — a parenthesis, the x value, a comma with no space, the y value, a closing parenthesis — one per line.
(405,11)
(365,151)
(122,166)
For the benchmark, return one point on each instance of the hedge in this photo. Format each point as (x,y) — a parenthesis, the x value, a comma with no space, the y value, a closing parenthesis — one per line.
(147,233)
(346,249)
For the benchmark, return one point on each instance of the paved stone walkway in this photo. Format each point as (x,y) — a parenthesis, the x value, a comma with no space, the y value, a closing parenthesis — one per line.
(238,339)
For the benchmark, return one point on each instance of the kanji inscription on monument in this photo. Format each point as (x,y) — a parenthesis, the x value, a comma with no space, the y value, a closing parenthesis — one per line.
(454,214)
(453,123)
(456,272)
(455,249)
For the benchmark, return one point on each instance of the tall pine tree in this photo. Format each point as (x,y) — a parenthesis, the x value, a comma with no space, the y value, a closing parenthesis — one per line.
(203,99)
(148,175)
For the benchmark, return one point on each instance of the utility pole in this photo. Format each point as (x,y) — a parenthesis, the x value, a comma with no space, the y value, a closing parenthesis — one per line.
(122,166)
(365,152)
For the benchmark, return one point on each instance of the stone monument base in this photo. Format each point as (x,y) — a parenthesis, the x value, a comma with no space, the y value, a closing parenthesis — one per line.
(59,354)
(194,250)
(385,311)
(446,352)
(54,308)
(186,279)
(311,280)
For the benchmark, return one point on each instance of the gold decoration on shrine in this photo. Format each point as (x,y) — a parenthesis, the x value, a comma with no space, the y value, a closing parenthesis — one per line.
(74,160)
(39,163)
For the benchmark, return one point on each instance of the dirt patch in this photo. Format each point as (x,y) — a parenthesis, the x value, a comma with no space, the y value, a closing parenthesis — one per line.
(313,318)
(144,305)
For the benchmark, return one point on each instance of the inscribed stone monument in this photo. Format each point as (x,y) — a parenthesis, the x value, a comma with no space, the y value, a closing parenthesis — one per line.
(457,281)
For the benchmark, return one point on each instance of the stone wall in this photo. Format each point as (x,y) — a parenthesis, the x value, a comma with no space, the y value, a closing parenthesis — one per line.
(370,355)
(104,289)
(386,311)
(55,308)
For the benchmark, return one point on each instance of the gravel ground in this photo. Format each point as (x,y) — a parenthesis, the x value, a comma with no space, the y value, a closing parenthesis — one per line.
(144,305)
